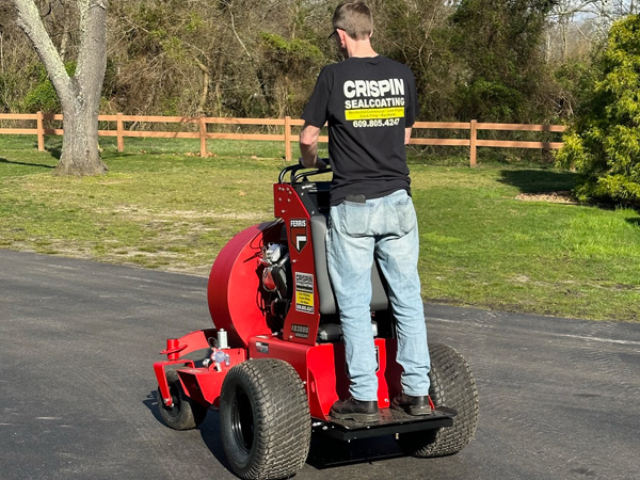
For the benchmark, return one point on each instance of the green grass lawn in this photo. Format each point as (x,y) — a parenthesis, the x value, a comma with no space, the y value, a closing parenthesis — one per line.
(161,206)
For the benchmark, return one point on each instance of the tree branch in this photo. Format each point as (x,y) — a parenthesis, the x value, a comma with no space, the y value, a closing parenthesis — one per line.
(92,55)
(30,22)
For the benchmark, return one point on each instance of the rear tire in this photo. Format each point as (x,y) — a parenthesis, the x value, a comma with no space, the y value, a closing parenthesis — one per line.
(264,420)
(185,413)
(452,386)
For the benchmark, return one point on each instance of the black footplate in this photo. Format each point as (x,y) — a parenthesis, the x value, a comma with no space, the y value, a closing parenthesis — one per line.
(391,421)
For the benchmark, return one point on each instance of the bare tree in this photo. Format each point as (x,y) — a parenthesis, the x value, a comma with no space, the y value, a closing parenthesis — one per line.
(584,20)
(79,93)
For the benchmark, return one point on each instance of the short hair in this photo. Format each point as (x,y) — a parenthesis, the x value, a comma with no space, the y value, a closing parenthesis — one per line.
(354,17)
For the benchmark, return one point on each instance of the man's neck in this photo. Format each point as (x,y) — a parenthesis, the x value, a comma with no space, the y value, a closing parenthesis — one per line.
(360,49)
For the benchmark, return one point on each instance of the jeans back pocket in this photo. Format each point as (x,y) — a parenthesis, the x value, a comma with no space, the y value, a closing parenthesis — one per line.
(407,219)
(354,218)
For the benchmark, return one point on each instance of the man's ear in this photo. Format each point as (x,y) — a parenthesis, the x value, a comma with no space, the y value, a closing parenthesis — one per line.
(342,35)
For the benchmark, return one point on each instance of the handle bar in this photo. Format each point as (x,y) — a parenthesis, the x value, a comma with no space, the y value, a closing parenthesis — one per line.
(294,169)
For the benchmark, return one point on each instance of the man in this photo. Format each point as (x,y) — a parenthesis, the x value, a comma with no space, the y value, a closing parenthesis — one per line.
(370,104)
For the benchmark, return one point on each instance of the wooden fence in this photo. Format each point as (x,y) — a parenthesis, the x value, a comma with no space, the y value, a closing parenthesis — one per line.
(287,136)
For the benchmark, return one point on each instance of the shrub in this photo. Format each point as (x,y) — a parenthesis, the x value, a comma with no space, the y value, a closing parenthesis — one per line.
(42,95)
(603,145)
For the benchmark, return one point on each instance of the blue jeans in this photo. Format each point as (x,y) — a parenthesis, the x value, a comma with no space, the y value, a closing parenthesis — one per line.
(387,228)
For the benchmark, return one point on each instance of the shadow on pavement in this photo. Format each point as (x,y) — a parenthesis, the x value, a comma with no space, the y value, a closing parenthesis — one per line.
(324,453)
(328,453)
(209,429)
(152,404)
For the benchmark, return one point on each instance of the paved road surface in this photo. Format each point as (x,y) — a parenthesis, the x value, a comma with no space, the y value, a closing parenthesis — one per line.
(560,399)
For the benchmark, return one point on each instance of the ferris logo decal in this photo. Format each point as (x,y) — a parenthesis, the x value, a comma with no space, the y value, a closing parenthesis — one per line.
(298,233)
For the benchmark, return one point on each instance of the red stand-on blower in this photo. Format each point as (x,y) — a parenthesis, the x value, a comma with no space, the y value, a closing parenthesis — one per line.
(274,363)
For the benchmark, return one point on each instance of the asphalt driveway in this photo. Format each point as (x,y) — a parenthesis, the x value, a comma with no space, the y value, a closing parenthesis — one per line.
(560,398)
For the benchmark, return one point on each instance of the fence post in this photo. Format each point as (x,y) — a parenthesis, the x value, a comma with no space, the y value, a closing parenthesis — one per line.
(287,138)
(120,131)
(40,128)
(473,136)
(203,136)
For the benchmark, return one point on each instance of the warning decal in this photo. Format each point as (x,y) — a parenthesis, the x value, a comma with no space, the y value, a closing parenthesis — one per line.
(304,292)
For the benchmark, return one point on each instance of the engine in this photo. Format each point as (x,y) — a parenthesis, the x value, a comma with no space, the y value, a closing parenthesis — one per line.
(275,280)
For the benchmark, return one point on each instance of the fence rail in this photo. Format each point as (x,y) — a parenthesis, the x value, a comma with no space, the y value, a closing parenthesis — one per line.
(287,136)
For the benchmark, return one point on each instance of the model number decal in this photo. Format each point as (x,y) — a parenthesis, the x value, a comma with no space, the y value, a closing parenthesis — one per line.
(304,292)
(300,331)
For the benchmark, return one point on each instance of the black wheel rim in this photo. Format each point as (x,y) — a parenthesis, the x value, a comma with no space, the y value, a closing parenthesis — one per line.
(242,421)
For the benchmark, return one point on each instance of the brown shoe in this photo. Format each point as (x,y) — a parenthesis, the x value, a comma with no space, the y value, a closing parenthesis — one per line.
(352,409)
(412,405)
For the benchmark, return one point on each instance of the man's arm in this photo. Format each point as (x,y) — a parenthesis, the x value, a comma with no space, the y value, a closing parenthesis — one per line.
(309,147)
(407,135)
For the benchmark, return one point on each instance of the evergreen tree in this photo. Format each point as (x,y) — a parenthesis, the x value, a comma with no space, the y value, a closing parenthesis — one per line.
(603,145)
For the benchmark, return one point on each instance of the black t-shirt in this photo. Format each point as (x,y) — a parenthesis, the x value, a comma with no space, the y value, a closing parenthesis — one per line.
(368,103)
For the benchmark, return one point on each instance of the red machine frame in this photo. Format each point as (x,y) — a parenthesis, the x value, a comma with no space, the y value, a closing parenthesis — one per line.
(274,364)
(321,366)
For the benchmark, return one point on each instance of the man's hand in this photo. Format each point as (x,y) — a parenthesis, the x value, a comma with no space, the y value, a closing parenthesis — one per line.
(319,163)
(322,163)
(309,146)
(407,135)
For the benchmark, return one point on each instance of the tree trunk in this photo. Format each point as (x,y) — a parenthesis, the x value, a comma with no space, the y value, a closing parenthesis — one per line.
(205,86)
(80,94)
(80,151)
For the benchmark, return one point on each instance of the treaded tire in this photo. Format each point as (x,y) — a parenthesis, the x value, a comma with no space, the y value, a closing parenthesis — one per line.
(185,413)
(265,423)
(453,386)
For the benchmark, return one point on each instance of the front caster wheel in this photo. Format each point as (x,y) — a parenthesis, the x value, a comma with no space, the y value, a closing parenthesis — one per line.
(185,413)
(264,420)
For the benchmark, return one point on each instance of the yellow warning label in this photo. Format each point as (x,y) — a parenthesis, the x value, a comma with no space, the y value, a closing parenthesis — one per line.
(304,298)
(374,113)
